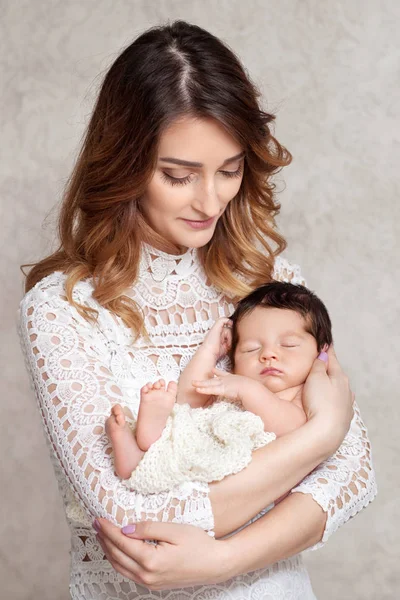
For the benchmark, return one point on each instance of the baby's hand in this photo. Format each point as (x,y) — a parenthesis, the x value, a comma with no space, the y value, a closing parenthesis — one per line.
(219,339)
(222,384)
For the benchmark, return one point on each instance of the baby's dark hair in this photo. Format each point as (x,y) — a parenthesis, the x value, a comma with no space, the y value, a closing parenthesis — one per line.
(289,296)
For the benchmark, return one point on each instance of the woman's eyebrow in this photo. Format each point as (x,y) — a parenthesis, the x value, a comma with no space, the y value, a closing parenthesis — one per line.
(187,163)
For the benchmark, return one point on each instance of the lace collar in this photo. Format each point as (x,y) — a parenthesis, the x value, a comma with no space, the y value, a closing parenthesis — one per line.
(159,264)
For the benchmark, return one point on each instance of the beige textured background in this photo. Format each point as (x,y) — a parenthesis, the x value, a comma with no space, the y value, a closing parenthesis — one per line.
(331,71)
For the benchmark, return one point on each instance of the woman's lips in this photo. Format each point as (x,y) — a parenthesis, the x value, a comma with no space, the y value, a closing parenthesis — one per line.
(271,371)
(199,224)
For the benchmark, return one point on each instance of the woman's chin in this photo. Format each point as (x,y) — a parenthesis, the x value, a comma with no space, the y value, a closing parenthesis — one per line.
(197,239)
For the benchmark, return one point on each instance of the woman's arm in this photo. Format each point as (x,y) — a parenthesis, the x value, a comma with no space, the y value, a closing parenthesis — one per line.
(327,402)
(186,556)
(345,483)
(73,369)
(75,387)
(297,523)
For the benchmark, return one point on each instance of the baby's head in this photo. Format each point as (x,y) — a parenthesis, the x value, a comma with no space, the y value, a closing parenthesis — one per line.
(277,332)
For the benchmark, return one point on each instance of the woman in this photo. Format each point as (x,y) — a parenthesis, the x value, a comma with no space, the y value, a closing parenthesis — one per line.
(167,220)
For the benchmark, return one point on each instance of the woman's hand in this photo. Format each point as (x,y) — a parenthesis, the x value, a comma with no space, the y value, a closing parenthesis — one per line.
(184,556)
(327,397)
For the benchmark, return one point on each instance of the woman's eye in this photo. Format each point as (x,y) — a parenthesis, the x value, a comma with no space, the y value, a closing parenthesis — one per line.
(184,180)
(175,180)
(236,173)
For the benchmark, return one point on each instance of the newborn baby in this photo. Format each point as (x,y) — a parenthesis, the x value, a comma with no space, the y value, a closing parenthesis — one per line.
(209,426)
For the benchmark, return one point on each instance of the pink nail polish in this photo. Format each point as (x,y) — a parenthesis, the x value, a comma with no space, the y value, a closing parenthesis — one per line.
(323,356)
(129,528)
(96,525)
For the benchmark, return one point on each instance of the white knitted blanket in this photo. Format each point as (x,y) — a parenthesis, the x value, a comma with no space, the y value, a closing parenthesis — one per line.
(199,444)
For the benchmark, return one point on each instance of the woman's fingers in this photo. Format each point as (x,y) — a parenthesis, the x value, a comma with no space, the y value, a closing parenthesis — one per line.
(115,554)
(171,533)
(327,396)
(164,565)
(118,545)
(334,368)
(129,538)
(119,561)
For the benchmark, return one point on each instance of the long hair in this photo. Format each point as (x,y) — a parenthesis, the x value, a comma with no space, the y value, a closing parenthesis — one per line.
(168,72)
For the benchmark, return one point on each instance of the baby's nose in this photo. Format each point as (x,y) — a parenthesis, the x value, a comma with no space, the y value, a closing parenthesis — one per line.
(268,354)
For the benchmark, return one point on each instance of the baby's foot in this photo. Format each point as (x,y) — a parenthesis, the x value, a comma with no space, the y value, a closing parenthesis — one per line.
(127,453)
(116,423)
(156,403)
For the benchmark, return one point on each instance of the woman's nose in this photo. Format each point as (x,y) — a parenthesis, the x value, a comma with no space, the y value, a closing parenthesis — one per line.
(207,201)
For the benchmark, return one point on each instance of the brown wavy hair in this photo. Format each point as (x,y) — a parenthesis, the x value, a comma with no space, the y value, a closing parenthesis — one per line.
(167,73)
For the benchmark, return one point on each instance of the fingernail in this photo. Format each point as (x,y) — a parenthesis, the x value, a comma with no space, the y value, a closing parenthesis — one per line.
(129,528)
(96,525)
(323,356)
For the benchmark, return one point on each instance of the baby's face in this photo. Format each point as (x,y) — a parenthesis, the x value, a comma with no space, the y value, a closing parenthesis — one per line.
(275,348)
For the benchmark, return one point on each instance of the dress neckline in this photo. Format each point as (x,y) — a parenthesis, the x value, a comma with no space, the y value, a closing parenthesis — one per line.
(160,264)
(173,257)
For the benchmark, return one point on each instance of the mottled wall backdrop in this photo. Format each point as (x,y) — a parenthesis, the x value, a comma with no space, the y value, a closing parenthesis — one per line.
(330,70)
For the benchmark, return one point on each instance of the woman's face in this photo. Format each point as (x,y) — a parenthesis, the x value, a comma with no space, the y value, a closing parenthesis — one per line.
(183,201)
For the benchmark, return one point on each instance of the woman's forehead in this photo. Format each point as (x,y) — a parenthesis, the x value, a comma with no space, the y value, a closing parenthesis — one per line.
(197,140)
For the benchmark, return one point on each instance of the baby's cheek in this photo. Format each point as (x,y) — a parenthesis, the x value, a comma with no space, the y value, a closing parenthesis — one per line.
(300,371)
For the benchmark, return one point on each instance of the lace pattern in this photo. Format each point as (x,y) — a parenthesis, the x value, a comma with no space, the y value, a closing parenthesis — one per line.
(78,370)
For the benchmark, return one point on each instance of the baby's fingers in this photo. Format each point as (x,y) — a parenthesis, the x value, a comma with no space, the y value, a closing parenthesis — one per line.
(207,383)
(222,323)
(219,373)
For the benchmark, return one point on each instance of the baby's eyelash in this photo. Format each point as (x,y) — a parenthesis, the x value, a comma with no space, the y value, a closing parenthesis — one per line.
(184,180)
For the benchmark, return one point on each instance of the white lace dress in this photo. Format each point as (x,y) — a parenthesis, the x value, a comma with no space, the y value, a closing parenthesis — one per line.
(79,370)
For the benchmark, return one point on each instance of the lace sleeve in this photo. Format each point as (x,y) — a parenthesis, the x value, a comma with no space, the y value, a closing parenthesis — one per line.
(345,483)
(69,365)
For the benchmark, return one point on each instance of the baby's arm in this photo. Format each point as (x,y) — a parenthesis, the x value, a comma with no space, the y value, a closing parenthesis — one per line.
(279,416)
(215,345)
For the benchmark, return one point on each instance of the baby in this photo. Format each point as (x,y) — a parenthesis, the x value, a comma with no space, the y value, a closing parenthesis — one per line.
(208,427)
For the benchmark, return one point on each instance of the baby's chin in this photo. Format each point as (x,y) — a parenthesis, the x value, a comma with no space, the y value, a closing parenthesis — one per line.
(279,384)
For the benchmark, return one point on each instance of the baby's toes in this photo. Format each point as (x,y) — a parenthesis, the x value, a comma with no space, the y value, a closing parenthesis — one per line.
(159,385)
(118,414)
(172,388)
(116,410)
